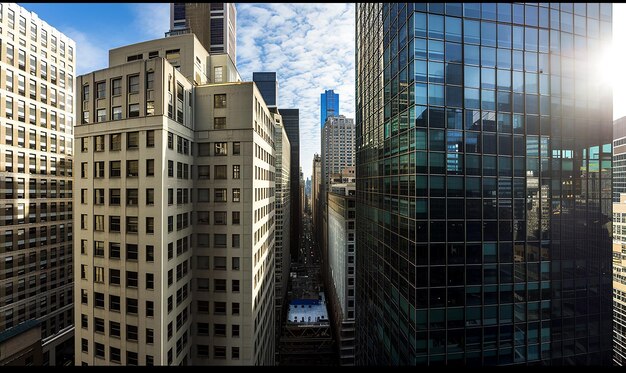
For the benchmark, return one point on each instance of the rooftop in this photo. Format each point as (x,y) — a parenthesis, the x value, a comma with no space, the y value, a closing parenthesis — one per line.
(308,311)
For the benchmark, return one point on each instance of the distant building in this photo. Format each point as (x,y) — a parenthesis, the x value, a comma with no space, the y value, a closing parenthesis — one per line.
(268,86)
(329,105)
(619,241)
(214,24)
(338,137)
(291,122)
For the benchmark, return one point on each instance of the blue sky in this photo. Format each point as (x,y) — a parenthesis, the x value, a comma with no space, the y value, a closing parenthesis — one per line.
(310,46)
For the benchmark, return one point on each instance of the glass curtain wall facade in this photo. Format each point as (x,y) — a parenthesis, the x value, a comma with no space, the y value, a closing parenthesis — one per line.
(483,184)
(329,105)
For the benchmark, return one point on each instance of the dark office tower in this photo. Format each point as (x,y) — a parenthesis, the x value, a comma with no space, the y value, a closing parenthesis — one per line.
(268,86)
(291,122)
(483,184)
(329,105)
(215,25)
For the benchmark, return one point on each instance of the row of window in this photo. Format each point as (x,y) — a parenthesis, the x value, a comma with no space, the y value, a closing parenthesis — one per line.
(219,352)
(18,165)
(43,65)
(115,169)
(115,354)
(41,189)
(115,141)
(32,117)
(132,223)
(49,326)
(132,277)
(33,33)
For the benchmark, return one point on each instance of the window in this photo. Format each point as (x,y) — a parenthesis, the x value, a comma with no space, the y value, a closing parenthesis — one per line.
(132,140)
(236,240)
(132,197)
(219,285)
(114,303)
(116,113)
(235,308)
(98,196)
(131,224)
(236,195)
(115,141)
(114,250)
(114,276)
(203,195)
(116,86)
(219,240)
(219,195)
(149,167)
(98,170)
(99,300)
(219,262)
(235,330)
(132,251)
(234,353)
(115,354)
(150,304)
(220,148)
(219,123)
(219,352)
(220,172)
(203,172)
(150,196)
(133,84)
(98,221)
(100,90)
(170,168)
(150,139)
(86,93)
(83,144)
(131,306)
(133,110)
(235,263)
(235,218)
(101,115)
(235,286)
(114,329)
(98,274)
(149,225)
(131,279)
(219,101)
(236,174)
(132,168)
(99,347)
(149,253)
(115,169)
(236,148)
(99,143)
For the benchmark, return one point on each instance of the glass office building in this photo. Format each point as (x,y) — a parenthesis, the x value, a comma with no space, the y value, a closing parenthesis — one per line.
(329,105)
(483,184)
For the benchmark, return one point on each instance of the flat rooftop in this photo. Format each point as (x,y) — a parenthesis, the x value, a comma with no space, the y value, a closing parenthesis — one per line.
(308,311)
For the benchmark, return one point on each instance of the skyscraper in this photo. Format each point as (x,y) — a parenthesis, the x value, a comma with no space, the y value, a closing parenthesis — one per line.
(268,86)
(329,105)
(215,25)
(145,216)
(291,122)
(483,184)
(38,66)
(337,147)
(619,241)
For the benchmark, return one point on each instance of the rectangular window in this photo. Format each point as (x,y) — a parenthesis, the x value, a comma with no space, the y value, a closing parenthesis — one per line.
(101,115)
(131,224)
(220,172)
(115,141)
(116,86)
(236,148)
(149,167)
(219,123)
(132,140)
(132,168)
(133,110)
(150,139)
(149,225)
(219,195)
(100,90)
(220,148)
(236,174)
(115,168)
(236,195)
(114,250)
(133,84)
(219,101)
(150,196)
(116,113)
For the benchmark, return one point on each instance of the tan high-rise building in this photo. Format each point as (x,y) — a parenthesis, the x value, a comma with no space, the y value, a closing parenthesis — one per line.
(37,65)
(214,24)
(176,208)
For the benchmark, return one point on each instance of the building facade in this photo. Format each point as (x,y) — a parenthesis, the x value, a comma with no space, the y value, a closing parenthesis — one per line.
(173,173)
(37,67)
(214,24)
(267,84)
(282,255)
(316,180)
(291,122)
(619,241)
(329,105)
(483,184)
(338,139)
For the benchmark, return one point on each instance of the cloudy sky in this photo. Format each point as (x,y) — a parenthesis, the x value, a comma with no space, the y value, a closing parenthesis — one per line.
(310,46)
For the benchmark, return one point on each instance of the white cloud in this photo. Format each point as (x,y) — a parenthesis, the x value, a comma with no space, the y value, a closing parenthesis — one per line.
(90,55)
(152,19)
(311,48)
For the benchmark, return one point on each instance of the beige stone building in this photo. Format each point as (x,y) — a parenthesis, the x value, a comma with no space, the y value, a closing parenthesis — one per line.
(37,65)
(176,209)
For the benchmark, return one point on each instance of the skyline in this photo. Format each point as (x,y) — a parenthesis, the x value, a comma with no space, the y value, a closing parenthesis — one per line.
(309,46)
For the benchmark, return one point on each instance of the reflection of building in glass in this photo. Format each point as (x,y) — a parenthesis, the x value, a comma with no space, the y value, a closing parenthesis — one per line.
(483,188)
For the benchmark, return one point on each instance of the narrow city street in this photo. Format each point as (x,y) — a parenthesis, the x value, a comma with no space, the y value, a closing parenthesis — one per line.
(307,337)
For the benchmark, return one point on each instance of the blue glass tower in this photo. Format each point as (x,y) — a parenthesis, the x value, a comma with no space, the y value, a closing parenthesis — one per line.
(329,106)
(483,178)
